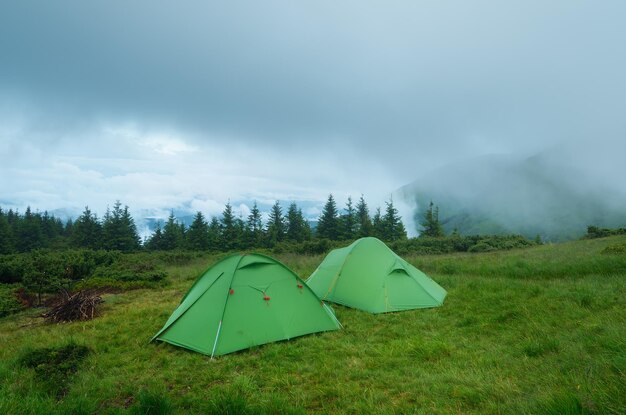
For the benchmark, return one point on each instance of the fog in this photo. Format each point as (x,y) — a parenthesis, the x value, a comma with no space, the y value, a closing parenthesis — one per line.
(167,105)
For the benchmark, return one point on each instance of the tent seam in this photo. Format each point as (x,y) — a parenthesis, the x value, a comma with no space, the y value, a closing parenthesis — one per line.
(230,286)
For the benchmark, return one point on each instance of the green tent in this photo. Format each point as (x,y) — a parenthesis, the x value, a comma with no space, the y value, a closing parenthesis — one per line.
(369,276)
(244,301)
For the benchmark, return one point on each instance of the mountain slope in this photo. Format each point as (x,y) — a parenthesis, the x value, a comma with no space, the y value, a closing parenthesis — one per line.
(531,196)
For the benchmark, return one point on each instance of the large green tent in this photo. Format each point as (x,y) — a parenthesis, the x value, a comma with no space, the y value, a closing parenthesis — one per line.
(369,276)
(244,301)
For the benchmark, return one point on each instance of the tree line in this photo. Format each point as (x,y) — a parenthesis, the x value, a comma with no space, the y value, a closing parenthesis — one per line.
(117,229)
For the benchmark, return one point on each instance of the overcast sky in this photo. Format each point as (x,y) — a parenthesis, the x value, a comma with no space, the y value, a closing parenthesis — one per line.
(161,103)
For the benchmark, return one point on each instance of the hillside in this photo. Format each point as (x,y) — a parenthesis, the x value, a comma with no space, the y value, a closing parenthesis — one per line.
(528,196)
(539,330)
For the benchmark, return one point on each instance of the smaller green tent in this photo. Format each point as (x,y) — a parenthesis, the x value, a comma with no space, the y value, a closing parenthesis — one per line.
(369,276)
(244,301)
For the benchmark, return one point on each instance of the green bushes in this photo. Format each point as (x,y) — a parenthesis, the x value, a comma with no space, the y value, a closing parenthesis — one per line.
(458,243)
(596,232)
(313,247)
(615,249)
(419,246)
(9,303)
(46,271)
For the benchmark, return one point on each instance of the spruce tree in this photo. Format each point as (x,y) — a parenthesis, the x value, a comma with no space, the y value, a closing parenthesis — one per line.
(87,231)
(296,224)
(51,229)
(364,222)
(275,231)
(68,229)
(228,235)
(7,244)
(348,222)
(197,237)
(29,235)
(240,228)
(155,241)
(254,228)
(172,235)
(392,226)
(328,225)
(430,222)
(119,231)
(377,225)
(215,235)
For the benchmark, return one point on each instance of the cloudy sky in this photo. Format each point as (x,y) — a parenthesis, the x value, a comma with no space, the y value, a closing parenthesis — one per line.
(165,104)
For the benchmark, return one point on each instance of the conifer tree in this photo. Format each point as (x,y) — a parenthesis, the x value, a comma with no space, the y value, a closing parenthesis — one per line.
(6,236)
(197,237)
(430,222)
(172,235)
(155,241)
(29,235)
(275,225)
(68,229)
(298,229)
(348,222)
(215,235)
(240,228)
(254,228)
(119,230)
(377,225)
(87,231)
(392,226)
(51,230)
(229,232)
(328,225)
(364,222)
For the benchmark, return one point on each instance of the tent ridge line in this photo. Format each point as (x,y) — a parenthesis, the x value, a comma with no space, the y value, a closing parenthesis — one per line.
(334,283)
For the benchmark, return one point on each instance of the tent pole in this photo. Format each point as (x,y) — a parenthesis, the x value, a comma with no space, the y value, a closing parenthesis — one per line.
(216,337)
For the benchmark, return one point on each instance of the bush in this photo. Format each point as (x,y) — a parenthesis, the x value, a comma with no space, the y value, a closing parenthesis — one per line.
(615,249)
(457,243)
(13,267)
(174,257)
(313,247)
(129,271)
(481,247)
(597,232)
(9,302)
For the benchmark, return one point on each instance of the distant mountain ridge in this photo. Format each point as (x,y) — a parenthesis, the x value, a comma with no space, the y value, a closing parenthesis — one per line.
(539,195)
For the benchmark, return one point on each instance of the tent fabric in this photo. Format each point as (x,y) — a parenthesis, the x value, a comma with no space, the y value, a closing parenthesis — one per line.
(244,301)
(369,276)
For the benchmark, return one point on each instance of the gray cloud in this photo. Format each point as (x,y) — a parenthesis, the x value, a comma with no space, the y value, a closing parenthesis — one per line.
(404,87)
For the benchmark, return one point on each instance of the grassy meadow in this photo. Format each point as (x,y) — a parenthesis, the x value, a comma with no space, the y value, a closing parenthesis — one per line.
(540,330)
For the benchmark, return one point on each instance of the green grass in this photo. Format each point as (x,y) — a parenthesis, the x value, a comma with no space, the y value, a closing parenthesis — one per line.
(534,331)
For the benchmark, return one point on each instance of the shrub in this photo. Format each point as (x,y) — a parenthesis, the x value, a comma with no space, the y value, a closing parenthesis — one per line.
(9,302)
(481,247)
(597,232)
(13,267)
(615,249)
(129,271)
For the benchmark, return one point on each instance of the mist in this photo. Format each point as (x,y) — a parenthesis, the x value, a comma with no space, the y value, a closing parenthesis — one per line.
(193,105)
